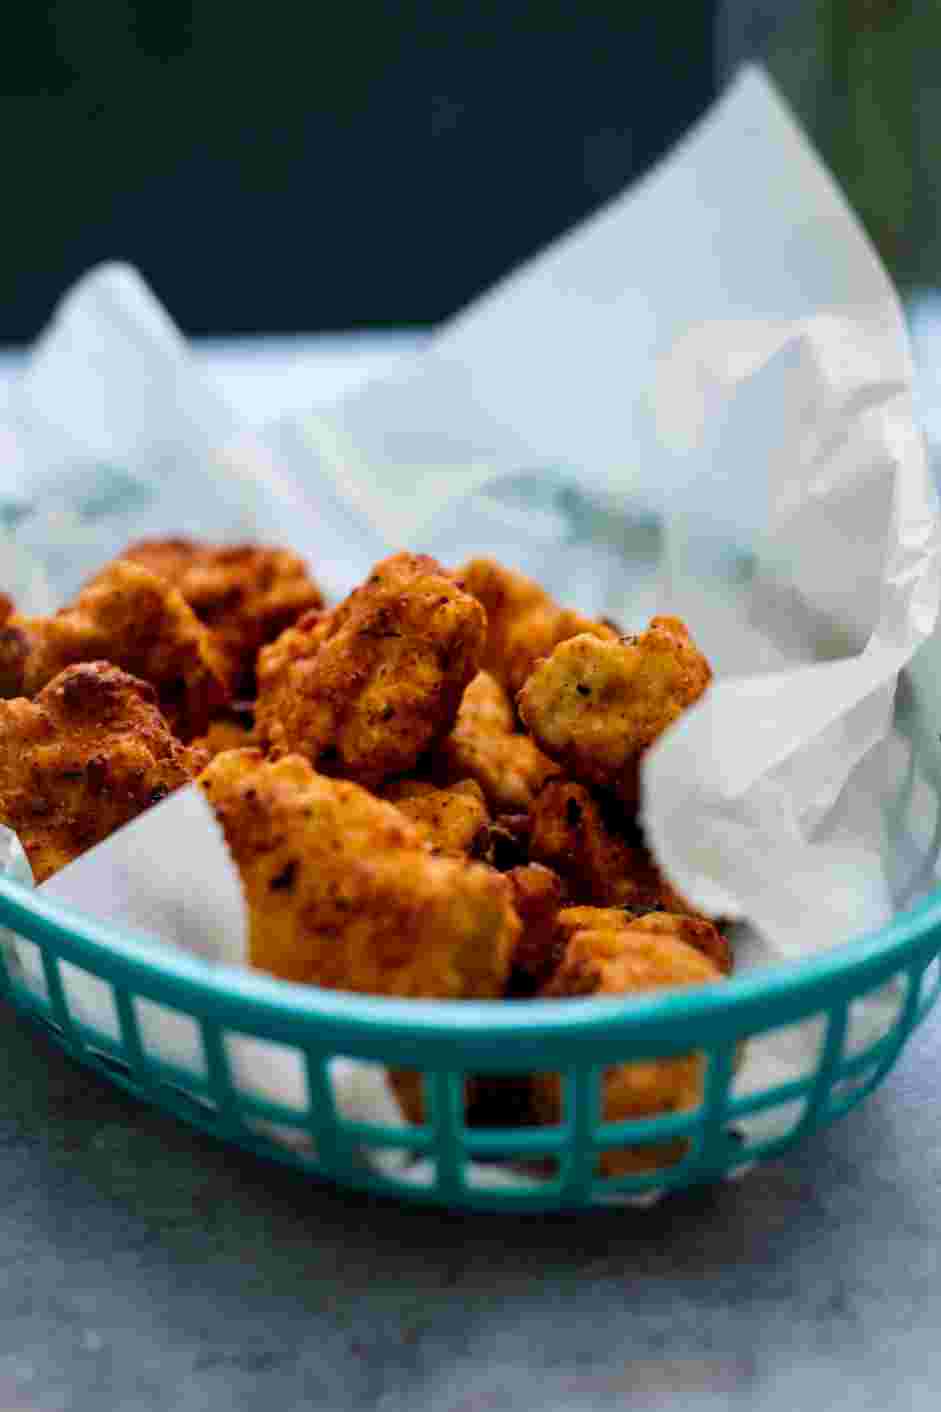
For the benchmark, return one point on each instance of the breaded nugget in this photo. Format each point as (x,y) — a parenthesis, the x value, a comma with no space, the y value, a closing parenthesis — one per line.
(296,644)
(495,1100)
(227,732)
(364,690)
(537,897)
(132,618)
(90,753)
(523,622)
(247,593)
(486,745)
(14,649)
(633,961)
(342,891)
(596,706)
(451,820)
(697,932)
(499,1100)
(599,861)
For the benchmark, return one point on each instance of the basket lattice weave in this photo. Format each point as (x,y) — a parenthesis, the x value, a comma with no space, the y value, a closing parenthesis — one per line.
(447,1042)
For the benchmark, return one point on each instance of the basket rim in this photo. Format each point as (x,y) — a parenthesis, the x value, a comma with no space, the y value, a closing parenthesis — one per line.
(153,969)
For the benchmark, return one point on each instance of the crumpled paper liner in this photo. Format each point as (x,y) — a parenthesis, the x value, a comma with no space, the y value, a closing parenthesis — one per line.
(698,402)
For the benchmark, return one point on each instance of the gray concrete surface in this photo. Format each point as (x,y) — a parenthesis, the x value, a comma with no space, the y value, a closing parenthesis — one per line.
(143,1266)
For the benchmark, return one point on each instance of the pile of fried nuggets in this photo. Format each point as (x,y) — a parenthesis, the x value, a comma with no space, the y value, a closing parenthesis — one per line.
(430,790)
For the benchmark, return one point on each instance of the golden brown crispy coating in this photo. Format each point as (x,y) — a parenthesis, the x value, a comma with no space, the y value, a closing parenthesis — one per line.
(495,1100)
(523,622)
(570,831)
(486,745)
(14,649)
(89,754)
(567,833)
(247,593)
(697,932)
(128,616)
(593,951)
(295,645)
(342,891)
(633,961)
(227,733)
(537,897)
(596,706)
(364,690)
(451,820)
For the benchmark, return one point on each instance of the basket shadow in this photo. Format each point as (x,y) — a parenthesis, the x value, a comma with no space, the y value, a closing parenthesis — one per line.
(214,1262)
(192,1191)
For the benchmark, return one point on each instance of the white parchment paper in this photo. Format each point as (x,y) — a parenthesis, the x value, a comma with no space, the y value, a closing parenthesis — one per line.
(698,402)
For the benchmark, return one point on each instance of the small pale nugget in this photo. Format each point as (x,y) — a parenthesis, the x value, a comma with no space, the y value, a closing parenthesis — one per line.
(343,892)
(130,617)
(697,932)
(247,593)
(524,622)
(89,754)
(486,745)
(364,690)
(608,961)
(596,706)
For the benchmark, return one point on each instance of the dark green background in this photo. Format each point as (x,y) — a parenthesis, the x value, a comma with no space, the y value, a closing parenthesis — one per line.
(304,166)
(863,76)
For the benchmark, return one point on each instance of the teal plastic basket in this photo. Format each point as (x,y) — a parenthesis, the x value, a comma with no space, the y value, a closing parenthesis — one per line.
(557,1166)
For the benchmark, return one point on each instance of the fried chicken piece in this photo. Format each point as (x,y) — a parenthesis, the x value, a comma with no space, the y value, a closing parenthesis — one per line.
(452,820)
(499,1100)
(697,932)
(247,593)
(128,616)
(596,706)
(227,733)
(364,690)
(14,649)
(89,754)
(486,745)
(588,951)
(573,832)
(641,958)
(342,891)
(537,897)
(523,622)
